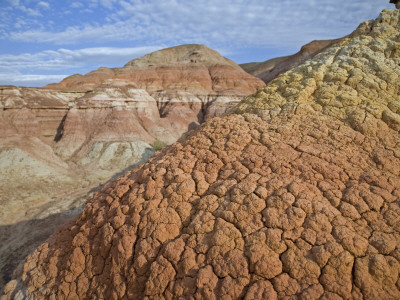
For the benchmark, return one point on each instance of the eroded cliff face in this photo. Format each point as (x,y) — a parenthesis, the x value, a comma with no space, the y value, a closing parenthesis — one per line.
(156,97)
(294,194)
(59,143)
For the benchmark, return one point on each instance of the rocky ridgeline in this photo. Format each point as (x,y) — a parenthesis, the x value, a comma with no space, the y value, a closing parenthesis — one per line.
(59,142)
(293,195)
(270,69)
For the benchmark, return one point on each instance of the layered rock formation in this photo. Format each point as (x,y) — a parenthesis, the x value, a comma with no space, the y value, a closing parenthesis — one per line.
(58,143)
(29,121)
(156,97)
(192,76)
(293,195)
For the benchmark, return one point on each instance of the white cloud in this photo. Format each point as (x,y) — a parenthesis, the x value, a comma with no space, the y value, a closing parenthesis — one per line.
(76,5)
(13,2)
(29,11)
(107,3)
(29,79)
(87,10)
(253,22)
(44,5)
(62,59)
(65,58)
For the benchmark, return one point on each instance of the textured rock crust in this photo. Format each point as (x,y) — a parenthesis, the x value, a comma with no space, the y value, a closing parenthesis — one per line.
(294,195)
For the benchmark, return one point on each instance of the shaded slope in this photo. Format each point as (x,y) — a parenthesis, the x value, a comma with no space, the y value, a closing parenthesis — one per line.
(255,68)
(296,193)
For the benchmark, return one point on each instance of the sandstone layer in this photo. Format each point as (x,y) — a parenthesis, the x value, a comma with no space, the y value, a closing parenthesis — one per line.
(59,143)
(293,195)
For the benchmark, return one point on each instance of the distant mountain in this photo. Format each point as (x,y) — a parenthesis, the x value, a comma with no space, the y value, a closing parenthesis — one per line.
(271,68)
(194,68)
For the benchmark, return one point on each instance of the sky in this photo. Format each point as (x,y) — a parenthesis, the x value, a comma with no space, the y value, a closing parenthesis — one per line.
(44,41)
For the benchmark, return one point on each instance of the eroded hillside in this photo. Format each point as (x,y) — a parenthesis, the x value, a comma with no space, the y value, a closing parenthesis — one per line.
(60,143)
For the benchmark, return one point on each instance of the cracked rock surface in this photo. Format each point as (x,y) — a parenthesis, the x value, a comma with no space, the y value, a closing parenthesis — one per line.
(293,195)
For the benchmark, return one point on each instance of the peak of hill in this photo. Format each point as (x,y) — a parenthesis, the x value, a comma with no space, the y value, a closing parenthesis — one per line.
(183,54)
(192,67)
(293,195)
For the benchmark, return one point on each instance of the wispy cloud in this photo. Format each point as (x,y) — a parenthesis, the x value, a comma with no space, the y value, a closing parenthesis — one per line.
(28,79)
(76,4)
(28,11)
(65,58)
(108,3)
(44,5)
(28,68)
(13,2)
(254,22)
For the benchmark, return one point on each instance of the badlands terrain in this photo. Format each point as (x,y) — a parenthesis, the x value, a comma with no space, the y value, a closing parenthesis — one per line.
(59,143)
(293,194)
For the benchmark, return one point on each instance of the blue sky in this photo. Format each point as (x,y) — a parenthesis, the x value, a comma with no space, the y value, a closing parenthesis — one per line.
(43,41)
